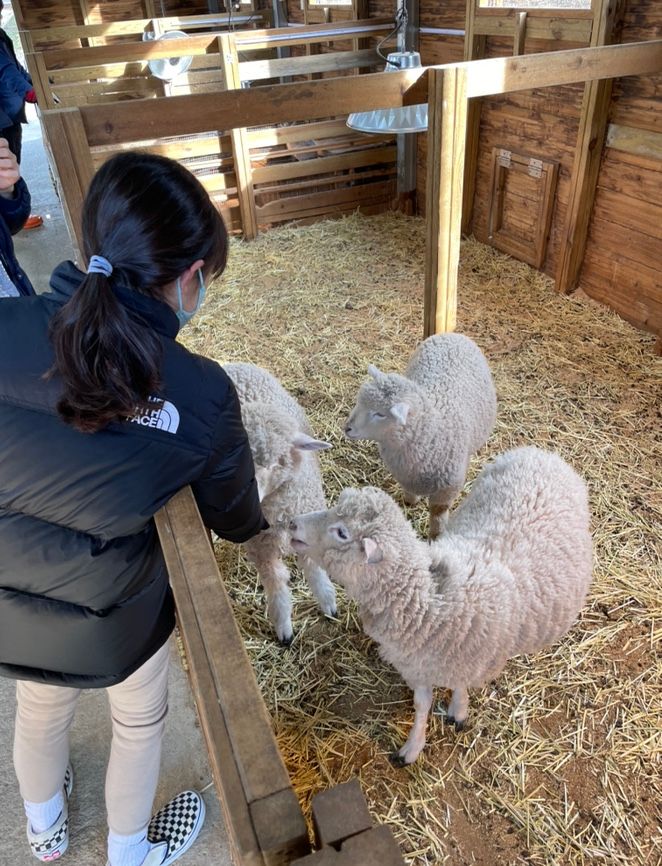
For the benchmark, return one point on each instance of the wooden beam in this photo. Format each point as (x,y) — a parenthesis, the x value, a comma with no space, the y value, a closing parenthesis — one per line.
(641,142)
(520,34)
(474,49)
(240,146)
(586,165)
(448,105)
(334,61)
(560,28)
(510,74)
(205,613)
(261,106)
(73,167)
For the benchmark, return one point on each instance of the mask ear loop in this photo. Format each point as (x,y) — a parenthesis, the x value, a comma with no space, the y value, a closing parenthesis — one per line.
(201,290)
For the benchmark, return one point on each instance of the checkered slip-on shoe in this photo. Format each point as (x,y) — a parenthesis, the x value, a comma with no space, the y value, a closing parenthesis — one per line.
(52,843)
(175,828)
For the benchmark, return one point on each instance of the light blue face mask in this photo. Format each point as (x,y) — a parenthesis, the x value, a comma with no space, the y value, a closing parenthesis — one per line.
(183,315)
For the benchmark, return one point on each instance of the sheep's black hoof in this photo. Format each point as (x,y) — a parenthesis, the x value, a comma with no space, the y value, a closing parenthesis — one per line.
(332,615)
(397,760)
(459,726)
(286,642)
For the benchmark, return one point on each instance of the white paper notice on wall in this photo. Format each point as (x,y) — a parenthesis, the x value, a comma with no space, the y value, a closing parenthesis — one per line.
(504,158)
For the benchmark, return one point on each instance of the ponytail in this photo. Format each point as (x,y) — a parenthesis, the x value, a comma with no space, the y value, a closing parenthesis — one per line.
(152,219)
(108,363)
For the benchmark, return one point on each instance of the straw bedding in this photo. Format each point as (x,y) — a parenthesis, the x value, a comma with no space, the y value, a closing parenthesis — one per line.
(560,760)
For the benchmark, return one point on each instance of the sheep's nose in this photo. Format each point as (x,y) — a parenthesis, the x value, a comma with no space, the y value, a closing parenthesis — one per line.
(293,526)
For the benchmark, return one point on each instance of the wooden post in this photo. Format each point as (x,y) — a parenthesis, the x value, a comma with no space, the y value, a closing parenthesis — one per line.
(39,74)
(520,33)
(73,167)
(240,148)
(474,49)
(447,135)
(590,142)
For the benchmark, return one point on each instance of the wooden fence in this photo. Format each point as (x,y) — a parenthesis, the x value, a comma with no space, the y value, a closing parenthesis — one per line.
(257,176)
(83,131)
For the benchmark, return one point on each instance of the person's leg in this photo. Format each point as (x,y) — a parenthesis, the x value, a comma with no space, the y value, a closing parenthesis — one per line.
(41,739)
(138,707)
(41,755)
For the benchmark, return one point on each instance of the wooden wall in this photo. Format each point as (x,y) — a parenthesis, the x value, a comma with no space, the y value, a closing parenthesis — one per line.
(624,252)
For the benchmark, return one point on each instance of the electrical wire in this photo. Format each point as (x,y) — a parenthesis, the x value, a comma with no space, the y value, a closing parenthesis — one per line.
(401,19)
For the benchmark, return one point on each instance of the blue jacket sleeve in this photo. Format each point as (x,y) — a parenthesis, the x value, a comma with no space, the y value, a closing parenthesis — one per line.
(227,493)
(14,211)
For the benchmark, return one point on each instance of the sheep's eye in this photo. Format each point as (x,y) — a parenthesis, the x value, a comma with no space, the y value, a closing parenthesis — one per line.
(340,532)
(378,416)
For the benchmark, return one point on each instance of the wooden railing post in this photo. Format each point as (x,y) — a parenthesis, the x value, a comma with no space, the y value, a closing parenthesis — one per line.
(240,148)
(593,122)
(447,135)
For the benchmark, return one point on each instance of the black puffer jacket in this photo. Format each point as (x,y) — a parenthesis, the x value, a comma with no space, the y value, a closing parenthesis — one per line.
(84,595)
(13,214)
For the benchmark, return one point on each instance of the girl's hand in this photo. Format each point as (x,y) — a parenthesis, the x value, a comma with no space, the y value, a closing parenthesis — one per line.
(9,170)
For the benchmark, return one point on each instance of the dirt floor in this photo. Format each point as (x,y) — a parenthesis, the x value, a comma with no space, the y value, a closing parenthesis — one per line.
(560,759)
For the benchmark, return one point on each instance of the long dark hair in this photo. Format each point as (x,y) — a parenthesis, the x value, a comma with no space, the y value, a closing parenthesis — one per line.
(151,218)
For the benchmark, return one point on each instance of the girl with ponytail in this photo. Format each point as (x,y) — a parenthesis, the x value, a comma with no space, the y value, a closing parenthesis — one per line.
(103,417)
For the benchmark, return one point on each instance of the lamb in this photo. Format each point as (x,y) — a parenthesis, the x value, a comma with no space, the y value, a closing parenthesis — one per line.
(508,576)
(289,481)
(429,422)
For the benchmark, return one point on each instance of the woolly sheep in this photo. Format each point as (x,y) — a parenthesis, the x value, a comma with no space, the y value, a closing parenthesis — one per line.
(428,422)
(289,481)
(508,576)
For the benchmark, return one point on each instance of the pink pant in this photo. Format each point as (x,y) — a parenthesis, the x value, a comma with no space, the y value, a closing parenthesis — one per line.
(138,708)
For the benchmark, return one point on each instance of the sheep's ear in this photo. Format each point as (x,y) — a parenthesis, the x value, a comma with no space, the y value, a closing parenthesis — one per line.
(400,411)
(304,442)
(371,549)
(375,372)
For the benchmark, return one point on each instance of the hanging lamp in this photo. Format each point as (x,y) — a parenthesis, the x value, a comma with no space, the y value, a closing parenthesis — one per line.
(409,118)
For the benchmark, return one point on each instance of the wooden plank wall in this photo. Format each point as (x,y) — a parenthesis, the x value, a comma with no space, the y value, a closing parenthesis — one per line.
(623,255)
(538,123)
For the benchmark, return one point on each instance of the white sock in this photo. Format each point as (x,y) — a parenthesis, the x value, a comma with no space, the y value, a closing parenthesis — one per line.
(127,850)
(43,815)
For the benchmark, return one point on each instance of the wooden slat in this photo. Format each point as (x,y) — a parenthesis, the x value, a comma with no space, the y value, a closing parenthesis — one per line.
(312,33)
(586,164)
(335,61)
(261,106)
(308,167)
(474,49)
(637,141)
(129,52)
(509,74)
(301,205)
(301,132)
(559,28)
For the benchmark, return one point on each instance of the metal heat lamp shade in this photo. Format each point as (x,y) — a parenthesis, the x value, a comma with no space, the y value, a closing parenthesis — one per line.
(168,68)
(411,118)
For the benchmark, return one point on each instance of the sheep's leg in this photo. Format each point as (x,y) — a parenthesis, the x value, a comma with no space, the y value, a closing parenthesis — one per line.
(320,585)
(440,502)
(275,578)
(416,739)
(409,498)
(456,713)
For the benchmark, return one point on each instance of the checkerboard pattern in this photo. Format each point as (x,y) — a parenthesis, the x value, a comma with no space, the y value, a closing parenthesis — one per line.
(177,823)
(52,843)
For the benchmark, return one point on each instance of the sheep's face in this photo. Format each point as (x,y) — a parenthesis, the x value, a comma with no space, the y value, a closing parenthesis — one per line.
(383,407)
(277,446)
(346,540)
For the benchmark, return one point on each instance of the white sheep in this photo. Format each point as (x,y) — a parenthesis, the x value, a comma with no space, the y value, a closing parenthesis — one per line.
(289,481)
(428,422)
(508,576)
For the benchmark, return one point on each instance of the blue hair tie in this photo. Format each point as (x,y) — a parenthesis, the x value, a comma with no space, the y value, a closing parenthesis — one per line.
(99,265)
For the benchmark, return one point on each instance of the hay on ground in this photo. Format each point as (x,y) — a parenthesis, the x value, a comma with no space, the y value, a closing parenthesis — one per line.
(560,761)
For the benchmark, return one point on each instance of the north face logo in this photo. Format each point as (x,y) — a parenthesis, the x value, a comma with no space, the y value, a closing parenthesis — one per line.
(163,417)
